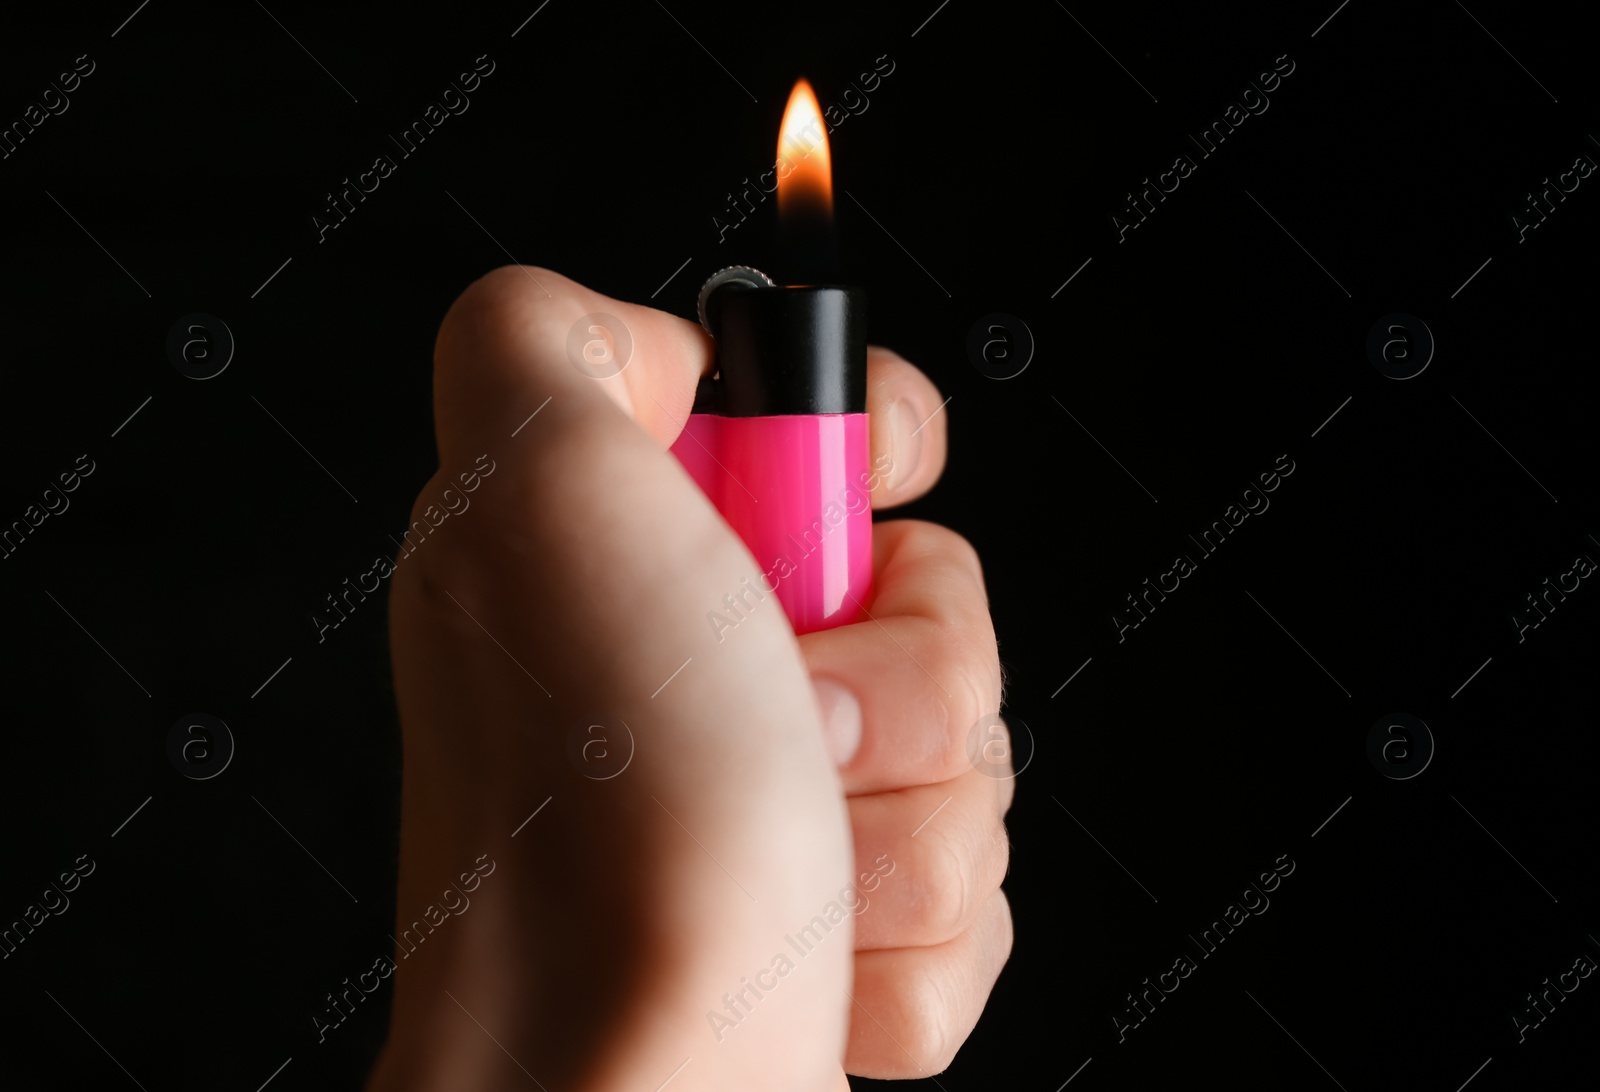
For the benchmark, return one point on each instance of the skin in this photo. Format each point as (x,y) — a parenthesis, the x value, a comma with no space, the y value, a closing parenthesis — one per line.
(623,912)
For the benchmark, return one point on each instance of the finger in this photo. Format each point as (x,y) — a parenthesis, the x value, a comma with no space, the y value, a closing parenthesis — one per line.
(989,751)
(908,428)
(948,851)
(521,334)
(914,1007)
(923,667)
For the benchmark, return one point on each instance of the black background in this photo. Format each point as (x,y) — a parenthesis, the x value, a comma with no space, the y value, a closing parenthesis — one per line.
(1176,366)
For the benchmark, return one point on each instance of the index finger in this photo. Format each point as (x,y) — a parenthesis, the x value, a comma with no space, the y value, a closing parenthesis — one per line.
(908,426)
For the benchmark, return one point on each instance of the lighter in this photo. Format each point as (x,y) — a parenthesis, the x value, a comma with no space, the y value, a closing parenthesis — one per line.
(779,439)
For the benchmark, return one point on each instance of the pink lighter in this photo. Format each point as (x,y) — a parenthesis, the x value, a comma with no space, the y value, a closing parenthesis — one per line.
(778,439)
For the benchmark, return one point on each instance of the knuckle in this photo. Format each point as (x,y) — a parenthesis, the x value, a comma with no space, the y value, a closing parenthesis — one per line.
(1005,754)
(935,541)
(1008,796)
(941,884)
(1007,928)
(426,521)
(425,496)
(968,668)
(965,554)
(503,300)
(508,284)
(926,1005)
(438,570)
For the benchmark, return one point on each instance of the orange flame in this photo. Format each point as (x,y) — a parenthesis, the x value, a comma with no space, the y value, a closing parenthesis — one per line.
(805,169)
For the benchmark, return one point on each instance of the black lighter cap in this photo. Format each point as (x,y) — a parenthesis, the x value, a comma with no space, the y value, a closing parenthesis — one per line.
(788,350)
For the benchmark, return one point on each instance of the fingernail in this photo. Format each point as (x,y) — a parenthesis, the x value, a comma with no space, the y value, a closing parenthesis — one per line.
(841,720)
(905,442)
(883,443)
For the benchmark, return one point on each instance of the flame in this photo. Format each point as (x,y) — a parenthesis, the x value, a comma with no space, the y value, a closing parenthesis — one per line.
(805,169)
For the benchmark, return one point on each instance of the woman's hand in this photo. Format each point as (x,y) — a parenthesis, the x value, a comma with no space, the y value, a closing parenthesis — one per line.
(638,927)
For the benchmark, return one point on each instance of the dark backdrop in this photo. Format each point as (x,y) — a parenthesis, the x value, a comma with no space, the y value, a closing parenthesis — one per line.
(1439,874)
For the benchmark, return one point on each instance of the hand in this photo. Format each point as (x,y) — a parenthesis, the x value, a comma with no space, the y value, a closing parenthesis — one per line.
(573,584)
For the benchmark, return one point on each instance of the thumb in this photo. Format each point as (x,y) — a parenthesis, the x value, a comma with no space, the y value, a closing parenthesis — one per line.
(592,561)
(520,335)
